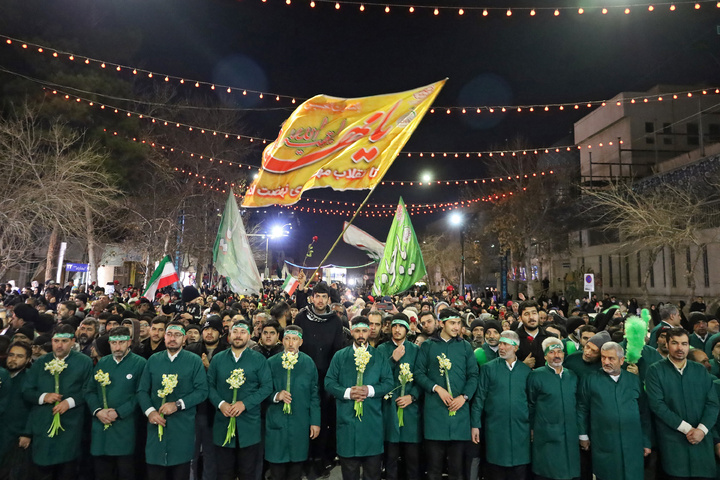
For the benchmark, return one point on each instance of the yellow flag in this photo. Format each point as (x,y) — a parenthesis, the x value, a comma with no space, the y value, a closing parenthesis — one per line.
(343,143)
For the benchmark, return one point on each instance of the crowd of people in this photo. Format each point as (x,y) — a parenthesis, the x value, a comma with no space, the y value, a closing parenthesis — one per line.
(212,385)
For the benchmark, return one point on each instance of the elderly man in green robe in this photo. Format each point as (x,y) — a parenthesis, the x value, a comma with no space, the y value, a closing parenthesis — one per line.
(502,400)
(358,378)
(685,405)
(293,416)
(552,400)
(173,383)
(614,418)
(115,410)
(56,456)
(401,441)
(488,351)
(447,371)
(238,455)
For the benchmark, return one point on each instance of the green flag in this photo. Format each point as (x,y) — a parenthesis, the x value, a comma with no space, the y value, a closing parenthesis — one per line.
(232,255)
(402,264)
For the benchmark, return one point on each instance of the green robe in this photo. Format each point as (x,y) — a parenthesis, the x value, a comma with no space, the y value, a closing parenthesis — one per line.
(485,354)
(569,347)
(410,431)
(5,385)
(65,446)
(552,401)
(690,397)
(358,437)
(14,425)
(653,333)
(501,399)
(287,437)
(437,422)
(715,431)
(648,357)
(119,439)
(257,387)
(715,368)
(579,366)
(178,442)
(696,342)
(708,344)
(615,416)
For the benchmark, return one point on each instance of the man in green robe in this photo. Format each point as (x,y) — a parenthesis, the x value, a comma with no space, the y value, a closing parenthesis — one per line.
(359,403)
(288,435)
(699,326)
(613,415)
(168,452)
(56,456)
(552,401)
(682,397)
(401,441)
(14,437)
(501,398)
(238,455)
(113,425)
(446,412)
(488,351)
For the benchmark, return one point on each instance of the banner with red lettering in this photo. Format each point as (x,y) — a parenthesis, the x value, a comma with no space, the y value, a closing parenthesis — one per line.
(342,143)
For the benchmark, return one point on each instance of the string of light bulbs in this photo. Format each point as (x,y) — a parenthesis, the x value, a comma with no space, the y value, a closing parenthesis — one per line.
(460,11)
(447,110)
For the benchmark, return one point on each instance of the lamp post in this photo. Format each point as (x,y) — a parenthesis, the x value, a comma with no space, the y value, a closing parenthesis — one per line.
(275,232)
(457,219)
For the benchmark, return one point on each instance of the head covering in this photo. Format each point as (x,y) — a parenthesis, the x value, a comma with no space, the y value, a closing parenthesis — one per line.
(476,323)
(493,324)
(102,345)
(574,323)
(600,338)
(438,306)
(189,294)
(411,313)
(213,321)
(26,330)
(696,317)
(193,326)
(27,312)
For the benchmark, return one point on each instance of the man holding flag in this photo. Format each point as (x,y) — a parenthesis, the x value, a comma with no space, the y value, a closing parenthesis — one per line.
(163,276)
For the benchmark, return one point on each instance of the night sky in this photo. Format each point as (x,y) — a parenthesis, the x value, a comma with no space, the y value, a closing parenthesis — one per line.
(496,60)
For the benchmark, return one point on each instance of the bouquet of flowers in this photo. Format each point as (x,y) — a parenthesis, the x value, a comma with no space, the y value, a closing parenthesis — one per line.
(236,380)
(169,382)
(445,366)
(289,360)
(55,367)
(404,377)
(104,380)
(362,357)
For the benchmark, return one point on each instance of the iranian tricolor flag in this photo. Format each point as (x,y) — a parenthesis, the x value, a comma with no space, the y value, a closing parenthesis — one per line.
(163,276)
(290,285)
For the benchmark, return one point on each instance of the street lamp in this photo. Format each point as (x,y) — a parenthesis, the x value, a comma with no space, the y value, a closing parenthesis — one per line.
(275,232)
(457,220)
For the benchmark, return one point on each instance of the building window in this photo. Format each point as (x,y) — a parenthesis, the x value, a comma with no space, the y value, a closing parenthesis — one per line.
(673,276)
(706,267)
(652,270)
(714,132)
(610,275)
(627,270)
(667,131)
(688,265)
(600,266)
(639,271)
(650,132)
(662,252)
(693,134)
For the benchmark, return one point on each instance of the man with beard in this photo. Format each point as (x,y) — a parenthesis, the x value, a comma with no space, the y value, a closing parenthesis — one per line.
(14,437)
(359,438)
(661,340)
(477,333)
(588,361)
(211,343)
(375,321)
(156,341)
(56,457)
(22,314)
(269,343)
(488,351)
(86,333)
(446,411)
(699,326)
(669,317)
(401,441)
(552,393)
(682,397)
(428,323)
(239,455)
(531,337)
(502,401)
(322,337)
(614,417)
(168,453)
(113,428)
(287,436)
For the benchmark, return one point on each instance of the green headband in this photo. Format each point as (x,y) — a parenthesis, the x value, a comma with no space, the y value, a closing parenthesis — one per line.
(359,325)
(176,327)
(240,325)
(400,321)
(449,318)
(293,332)
(553,347)
(64,335)
(119,338)
(509,341)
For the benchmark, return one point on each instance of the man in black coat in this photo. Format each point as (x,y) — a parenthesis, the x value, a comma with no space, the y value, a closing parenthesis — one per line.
(531,336)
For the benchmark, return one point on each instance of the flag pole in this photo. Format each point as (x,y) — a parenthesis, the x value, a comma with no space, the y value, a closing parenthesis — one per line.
(357,212)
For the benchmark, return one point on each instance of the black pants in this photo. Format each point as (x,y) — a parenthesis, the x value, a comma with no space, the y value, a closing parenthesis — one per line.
(239,463)
(322,449)
(436,453)
(286,471)
(114,468)
(586,464)
(61,471)
(350,467)
(176,472)
(496,472)
(410,454)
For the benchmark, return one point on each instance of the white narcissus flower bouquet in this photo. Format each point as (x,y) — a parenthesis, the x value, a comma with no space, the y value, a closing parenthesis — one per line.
(362,358)
(405,377)
(104,380)
(289,360)
(55,367)
(236,380)
(445,366)
(169,382)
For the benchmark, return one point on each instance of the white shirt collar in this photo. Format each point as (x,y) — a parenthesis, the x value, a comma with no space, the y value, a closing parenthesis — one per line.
(173,357)
(123,358)
(237,357)
(511,365)
(615,377)
(680,370)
